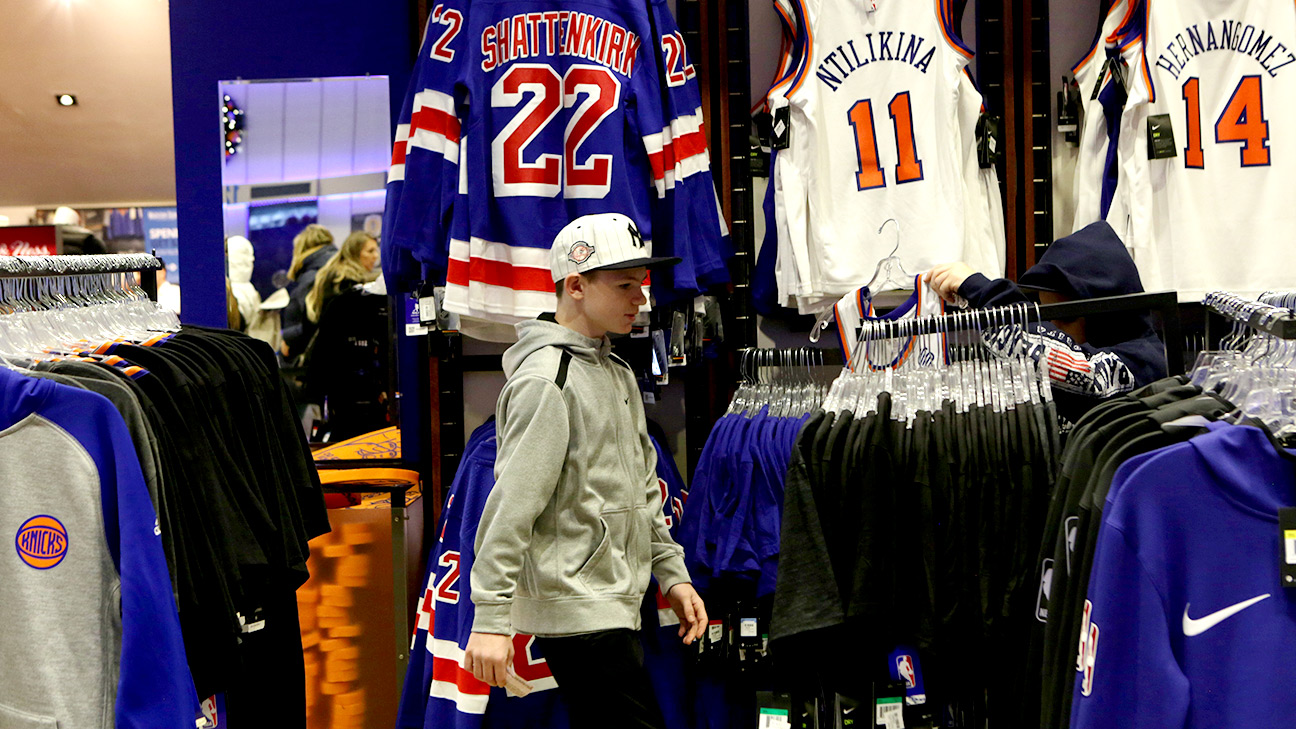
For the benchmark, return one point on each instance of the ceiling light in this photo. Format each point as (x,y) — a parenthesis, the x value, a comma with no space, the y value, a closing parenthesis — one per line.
(66,99)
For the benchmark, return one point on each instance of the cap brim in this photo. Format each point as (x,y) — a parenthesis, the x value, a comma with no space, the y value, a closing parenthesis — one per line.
(639,263)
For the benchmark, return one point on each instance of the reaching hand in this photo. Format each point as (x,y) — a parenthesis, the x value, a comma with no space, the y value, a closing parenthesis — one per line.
(488,657)
(687,604)
(946,279)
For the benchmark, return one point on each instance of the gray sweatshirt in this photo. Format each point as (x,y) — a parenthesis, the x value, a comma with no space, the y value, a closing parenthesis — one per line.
(574,524)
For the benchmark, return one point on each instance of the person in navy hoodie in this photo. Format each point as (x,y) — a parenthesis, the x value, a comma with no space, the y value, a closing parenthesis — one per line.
(1089,359)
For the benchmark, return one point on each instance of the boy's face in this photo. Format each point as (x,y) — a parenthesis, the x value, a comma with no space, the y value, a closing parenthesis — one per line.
(612,299)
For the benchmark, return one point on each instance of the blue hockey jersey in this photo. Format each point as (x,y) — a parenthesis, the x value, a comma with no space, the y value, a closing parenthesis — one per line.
(525,114)
(439,693)
(1187,623)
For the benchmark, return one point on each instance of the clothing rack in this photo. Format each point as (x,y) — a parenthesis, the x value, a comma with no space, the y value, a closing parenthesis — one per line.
(45,266)
(1276,321)
(1164,303)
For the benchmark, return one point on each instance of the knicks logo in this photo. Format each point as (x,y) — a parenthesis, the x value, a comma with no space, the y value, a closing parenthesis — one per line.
(42,542)
(580,252)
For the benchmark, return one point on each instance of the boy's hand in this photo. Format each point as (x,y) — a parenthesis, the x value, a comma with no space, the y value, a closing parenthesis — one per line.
(687,604)
(946,279)
(488,657)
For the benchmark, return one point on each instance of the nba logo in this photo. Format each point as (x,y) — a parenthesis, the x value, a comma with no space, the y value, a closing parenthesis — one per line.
(904,664)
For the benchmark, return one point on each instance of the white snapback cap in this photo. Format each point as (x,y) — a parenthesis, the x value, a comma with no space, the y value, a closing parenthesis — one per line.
(604,241)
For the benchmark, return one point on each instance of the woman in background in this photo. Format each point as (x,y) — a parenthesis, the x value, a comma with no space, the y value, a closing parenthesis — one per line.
(312,249)
(346,366)
(350,267)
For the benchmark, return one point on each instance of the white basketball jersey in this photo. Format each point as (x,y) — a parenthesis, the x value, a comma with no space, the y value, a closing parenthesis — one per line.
(854,309)
(883,126)
(1094,77)
(1221,213)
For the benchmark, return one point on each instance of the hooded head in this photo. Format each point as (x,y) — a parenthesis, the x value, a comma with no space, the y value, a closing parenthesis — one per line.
(1090,263)
(241,257)
(1087,264)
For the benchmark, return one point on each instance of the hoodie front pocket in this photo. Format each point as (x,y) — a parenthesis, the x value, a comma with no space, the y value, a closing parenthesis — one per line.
(606,570)
(18,719)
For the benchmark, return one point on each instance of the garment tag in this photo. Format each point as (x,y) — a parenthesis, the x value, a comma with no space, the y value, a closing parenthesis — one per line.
(890,713)
(906,668)
(888,704)
(1120,73)
(987,133)
(1102,75)
(774,710)
(1161,144)
(1287,523)
(850,713)
(780,130)
(414,326)
(747,628)
(715,631)
(256,623)
(427,310)
(774,719)
(515,685)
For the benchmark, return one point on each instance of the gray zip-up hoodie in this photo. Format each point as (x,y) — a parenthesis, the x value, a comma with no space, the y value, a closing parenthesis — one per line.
(574,524)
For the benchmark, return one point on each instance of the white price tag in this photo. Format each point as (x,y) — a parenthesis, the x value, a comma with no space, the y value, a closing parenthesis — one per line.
(715,631)
(747,628)
(1289,541)
(774,719)
(890,713)
(427,313)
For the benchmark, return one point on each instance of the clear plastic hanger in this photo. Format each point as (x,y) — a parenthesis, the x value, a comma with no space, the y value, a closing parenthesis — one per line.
(890,274)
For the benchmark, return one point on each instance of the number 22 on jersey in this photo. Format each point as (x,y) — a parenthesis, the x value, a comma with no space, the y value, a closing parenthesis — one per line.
(908,167)
(549,92)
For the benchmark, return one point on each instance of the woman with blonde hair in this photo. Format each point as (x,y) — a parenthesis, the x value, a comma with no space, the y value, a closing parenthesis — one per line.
(312,248)
(350,267)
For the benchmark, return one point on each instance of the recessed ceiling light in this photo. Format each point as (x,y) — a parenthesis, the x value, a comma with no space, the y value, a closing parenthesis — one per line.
(66,99)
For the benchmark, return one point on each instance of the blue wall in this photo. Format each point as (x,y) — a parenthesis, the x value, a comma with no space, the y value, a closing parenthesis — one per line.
(259,39)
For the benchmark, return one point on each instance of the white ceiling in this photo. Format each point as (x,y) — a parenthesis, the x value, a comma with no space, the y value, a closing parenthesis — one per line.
(115,146)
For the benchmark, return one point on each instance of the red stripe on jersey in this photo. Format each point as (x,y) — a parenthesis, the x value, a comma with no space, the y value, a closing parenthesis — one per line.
(498,273)
(436,121)
(679,148)
(398,152)
(444,669)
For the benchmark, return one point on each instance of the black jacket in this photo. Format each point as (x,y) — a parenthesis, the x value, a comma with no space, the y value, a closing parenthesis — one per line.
(297,328)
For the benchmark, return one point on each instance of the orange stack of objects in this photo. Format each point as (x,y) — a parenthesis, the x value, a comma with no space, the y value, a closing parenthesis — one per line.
(334,696)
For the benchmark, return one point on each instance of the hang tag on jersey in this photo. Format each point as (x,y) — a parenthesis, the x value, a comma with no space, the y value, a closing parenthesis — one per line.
(254,623)
(773,710)
(1102,76)
(888,704)
(849,713)
(1287,523)
(1160,137)
(679,341)
(987,133)
(781,129)
(1120,73)
(906,668)
(414,327)
(1068,106)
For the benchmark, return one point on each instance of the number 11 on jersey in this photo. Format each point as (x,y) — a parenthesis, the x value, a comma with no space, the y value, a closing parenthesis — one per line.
(908,167)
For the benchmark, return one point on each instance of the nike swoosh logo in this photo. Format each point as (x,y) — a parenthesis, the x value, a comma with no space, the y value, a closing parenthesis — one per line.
(1201,625)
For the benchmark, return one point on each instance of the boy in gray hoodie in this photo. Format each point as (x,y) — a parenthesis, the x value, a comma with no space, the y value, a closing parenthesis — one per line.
(574,526)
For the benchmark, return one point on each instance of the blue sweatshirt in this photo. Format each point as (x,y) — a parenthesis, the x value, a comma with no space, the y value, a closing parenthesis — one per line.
(91,637)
